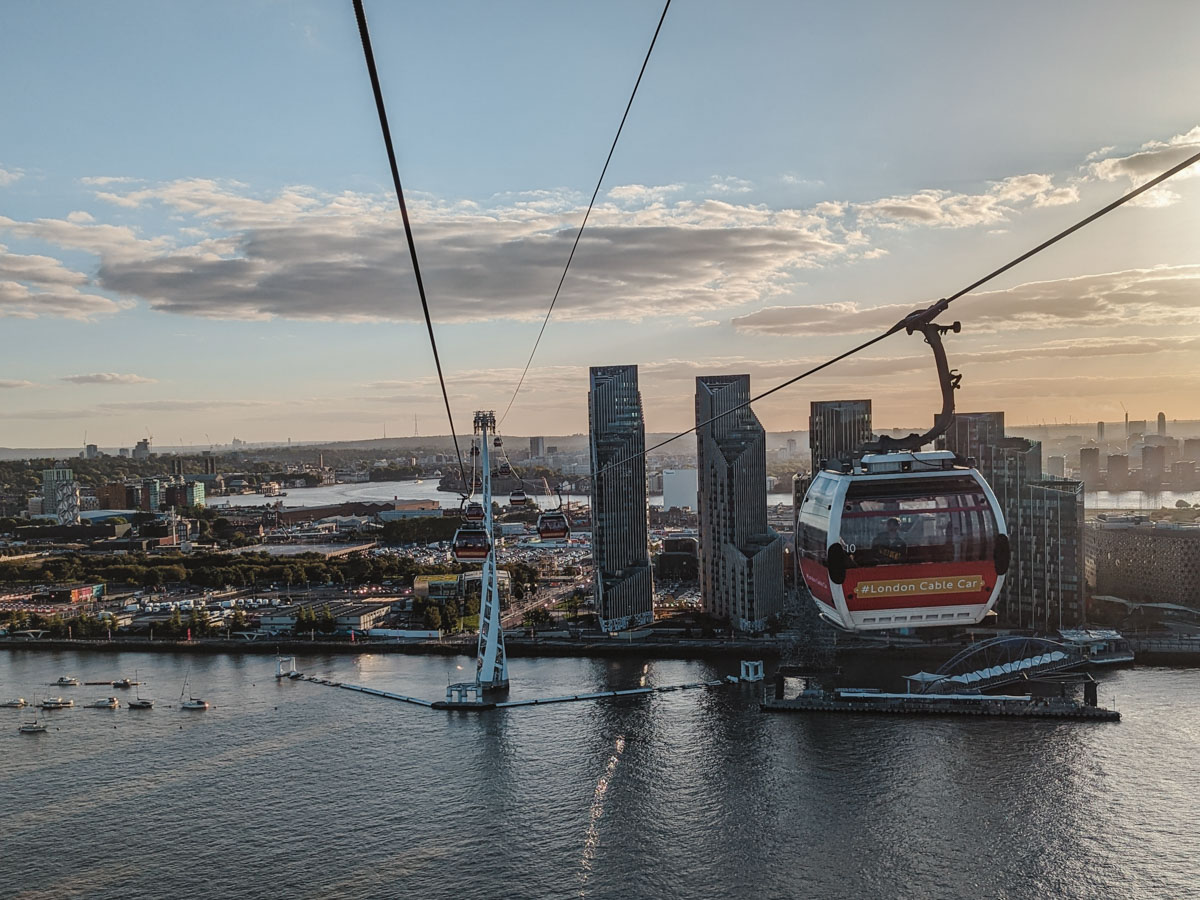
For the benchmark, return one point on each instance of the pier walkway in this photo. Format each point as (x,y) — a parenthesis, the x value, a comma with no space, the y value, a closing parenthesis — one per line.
(535,701)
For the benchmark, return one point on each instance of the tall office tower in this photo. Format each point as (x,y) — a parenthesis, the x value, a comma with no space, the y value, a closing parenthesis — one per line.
(1118,472)
(142,449)
(1056,466)
(1089,467)
(1044,518)
(791,448)
(1162,424)
(623,586)
(837,428)
(1100,432)
(537,447)
(1191,449)
(741,558)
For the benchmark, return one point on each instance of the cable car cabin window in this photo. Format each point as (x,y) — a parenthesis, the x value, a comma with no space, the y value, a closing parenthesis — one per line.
(814,518)
(917,521)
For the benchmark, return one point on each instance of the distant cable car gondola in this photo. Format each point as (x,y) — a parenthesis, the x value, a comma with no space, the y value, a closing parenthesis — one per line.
(517,498)
(470,544)
(473,512)
(902,538)
(553,526)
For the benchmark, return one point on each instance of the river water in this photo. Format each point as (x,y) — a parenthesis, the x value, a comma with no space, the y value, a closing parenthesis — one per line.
(300,790)
(381,491)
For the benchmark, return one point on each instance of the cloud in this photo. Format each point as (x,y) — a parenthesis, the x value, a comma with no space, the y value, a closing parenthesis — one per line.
(11,383)
(640,193)
(32,286)
(728,184)
(1160,296)
(305,255)
(946,209)
(1153,158)
(8,176)
(108,378)
(80,217)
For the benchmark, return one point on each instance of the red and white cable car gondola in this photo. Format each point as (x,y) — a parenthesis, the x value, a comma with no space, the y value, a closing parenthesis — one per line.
(473,512)
(553,526)
(517,498)
(902,538)
(470,544)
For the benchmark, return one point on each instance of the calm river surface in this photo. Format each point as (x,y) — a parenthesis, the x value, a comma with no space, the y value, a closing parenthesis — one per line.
(300,790)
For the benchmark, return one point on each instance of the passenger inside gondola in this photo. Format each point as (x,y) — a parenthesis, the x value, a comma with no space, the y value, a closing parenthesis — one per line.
(889,547)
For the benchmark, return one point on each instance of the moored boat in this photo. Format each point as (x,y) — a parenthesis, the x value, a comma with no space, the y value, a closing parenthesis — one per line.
(67,681)
(57,703)
(15,703)
(104,703)
(34,727)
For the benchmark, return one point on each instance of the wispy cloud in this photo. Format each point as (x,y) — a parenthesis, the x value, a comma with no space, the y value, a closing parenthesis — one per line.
(12,383)
(108,378)
(1159,296)
(8,176)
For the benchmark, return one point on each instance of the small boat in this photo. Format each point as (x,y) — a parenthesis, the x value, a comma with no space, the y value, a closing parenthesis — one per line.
(15,703)
(122,683)
(57,703)
(67,681)
(140,702)
(191,702)
(104,703)
(34,727)
(295,676)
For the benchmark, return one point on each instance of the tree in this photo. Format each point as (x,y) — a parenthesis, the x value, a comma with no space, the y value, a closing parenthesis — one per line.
(237,620)
(450,619)
(433,617)
(325,622)
(537,617)
(174,626)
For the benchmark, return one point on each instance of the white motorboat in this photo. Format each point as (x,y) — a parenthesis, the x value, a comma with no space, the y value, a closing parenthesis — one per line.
(122,683)
(104,703)
(67,681)
(15,703)
(57,703)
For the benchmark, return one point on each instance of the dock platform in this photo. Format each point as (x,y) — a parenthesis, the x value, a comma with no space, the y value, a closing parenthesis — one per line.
(872,702)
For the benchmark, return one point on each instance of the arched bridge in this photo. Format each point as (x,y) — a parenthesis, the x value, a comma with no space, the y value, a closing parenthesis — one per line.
(995,662)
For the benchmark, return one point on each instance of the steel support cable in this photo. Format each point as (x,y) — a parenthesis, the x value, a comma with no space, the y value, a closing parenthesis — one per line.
(365,35)
(930,312)
(587,213)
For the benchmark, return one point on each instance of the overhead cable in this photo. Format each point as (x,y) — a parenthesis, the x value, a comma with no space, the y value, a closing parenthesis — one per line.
(587,213)
(365,35)
(925,314)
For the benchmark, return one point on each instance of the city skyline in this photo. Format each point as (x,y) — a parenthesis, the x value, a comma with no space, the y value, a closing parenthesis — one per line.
(219,254)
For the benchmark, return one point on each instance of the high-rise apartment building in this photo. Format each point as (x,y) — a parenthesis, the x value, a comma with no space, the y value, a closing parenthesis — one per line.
(1044,517)
(1118,472)
(142,450)
(1056,466)
(1191,449)
(741,558)
(1089,467)
(60,494)
(1162,424)
(537,447)
(1154,466)
(837,428)
(624,585)
(1100,432)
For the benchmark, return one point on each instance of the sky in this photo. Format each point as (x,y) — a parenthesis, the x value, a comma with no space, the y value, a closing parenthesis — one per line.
(199,239)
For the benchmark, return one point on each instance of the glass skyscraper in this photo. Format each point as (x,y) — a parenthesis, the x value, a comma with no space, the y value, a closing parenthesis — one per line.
(741,558)
(624,586)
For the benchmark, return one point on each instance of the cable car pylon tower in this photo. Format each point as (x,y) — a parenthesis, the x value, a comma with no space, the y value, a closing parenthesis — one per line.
(491,662)
(475,541)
